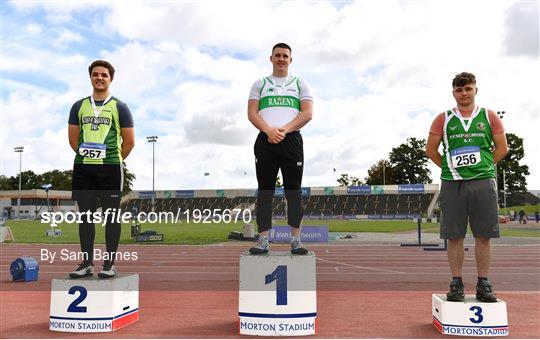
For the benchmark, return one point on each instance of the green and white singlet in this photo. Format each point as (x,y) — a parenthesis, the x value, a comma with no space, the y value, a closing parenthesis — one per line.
(468,145)
(279,98)
(100,139)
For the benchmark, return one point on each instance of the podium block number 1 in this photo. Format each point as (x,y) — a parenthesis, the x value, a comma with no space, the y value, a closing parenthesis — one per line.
(280,276)
(74,306)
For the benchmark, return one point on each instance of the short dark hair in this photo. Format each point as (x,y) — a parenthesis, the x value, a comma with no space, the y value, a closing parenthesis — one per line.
(281,45)
(463,79)
(103,63)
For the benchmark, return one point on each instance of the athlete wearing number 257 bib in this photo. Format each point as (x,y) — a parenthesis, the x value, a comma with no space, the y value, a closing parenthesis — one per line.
(101,134)
(473,141)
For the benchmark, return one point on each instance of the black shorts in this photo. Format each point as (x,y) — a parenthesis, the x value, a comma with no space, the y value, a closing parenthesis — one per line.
(471,202)
(97,180)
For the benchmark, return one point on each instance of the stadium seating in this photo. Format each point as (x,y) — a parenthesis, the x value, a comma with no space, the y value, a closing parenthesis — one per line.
(317,205)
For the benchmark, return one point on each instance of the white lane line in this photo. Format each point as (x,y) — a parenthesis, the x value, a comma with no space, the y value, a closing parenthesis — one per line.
(325,273)
(361,267)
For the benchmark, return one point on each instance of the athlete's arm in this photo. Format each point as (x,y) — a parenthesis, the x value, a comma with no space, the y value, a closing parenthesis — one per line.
(434,139)
(128,140)
(74,128)
(127,130)
(498,136)
(305,115)
(274,134)
(73,136)
(432,148)
(501,147)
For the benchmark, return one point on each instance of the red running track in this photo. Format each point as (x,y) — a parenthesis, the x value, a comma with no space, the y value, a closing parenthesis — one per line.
(363,291)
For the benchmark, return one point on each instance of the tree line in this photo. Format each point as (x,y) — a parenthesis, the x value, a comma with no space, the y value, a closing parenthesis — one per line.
(60,180)
(408,164)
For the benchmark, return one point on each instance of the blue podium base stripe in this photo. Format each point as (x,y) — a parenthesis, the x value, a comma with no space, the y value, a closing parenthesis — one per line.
(278,316)
(94,319)
(126,313)
(468,326)
(80,319)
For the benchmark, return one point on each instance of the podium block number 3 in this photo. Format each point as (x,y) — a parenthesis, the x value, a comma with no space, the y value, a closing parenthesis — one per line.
(478,313)
(74,306)
(280,276)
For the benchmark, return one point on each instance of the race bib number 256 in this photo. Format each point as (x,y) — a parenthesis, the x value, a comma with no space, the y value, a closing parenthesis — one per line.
(465,156)
(93,150)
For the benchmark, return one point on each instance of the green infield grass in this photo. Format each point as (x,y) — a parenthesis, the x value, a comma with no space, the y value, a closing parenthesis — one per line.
(506,230)
(529,209)
(27,231)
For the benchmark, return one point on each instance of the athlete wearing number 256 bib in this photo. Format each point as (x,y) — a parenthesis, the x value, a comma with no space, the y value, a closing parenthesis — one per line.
(473,142)
(101,134)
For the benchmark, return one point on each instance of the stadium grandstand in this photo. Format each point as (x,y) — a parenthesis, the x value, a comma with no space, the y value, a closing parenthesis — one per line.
(519,198)
(34,202)
(353,202)
(373,202)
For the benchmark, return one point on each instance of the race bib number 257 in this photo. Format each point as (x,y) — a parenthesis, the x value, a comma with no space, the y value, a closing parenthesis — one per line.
(93,150)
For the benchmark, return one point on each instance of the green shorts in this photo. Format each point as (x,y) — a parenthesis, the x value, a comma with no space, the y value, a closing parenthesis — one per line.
(471,202)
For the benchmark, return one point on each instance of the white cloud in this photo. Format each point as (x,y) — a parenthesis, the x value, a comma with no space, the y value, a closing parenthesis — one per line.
(51,64)
(33,28)
(58,12)
(381,71)
(522,27)
(31,118)
(235,25)
(65,37)
(15,64)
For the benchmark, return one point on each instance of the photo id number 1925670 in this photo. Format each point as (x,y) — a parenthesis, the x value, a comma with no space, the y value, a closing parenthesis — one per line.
(217,215)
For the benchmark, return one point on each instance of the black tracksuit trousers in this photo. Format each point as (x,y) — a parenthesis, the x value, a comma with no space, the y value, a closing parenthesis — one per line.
(288,155)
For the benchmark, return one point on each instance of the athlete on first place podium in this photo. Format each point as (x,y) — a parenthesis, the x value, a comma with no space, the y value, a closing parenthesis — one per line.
(279,105)
(473,142)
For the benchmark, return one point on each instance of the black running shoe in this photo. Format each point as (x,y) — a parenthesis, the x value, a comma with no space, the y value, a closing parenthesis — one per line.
(297,248)
(85,268)
(456,292)
(261,247)
(108,271)
(484,291)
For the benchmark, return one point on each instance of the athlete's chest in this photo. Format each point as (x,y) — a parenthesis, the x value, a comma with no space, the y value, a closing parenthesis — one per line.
(467,131)
(98,116)
(289,90)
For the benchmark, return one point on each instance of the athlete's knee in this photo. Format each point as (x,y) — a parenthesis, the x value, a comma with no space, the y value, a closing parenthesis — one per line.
(482,240)
(265,193)
(456,241)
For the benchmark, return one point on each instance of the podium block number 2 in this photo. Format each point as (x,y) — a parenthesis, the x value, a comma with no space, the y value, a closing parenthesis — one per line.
(478,313)
(74,306)
(280,276)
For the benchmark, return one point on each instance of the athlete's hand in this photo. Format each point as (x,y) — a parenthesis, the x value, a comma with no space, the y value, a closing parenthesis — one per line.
(275,135)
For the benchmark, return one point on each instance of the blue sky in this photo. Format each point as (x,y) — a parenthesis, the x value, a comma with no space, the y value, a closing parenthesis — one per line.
(380,71)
